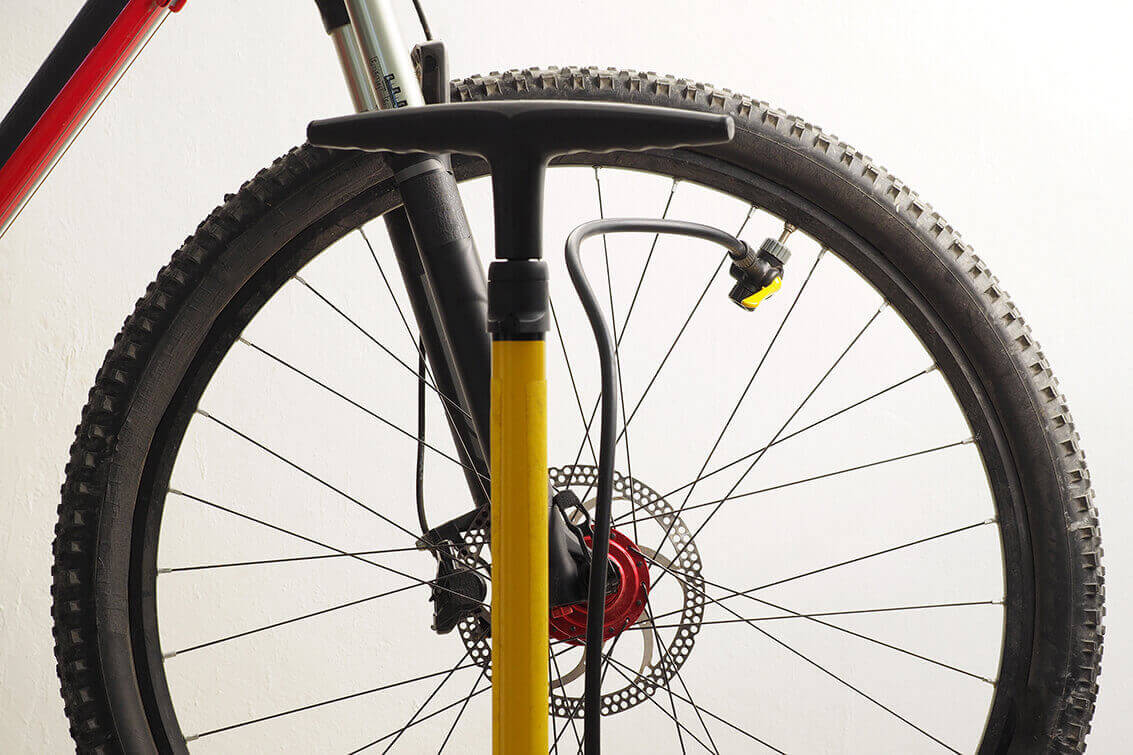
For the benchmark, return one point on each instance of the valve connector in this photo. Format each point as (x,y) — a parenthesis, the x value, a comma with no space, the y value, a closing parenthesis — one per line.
(758,274)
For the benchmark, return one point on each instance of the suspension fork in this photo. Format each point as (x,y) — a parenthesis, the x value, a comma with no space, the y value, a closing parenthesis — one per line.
(431,239)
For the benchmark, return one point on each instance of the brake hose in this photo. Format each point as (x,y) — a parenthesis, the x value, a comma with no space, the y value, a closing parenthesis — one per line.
(745,259)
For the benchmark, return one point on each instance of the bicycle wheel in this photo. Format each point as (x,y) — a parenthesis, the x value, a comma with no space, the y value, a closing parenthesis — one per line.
(866,518)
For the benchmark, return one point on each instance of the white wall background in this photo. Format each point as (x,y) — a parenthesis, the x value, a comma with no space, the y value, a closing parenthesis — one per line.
(1013,119)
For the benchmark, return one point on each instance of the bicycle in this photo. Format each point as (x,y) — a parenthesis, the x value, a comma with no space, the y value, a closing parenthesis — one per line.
(840,225)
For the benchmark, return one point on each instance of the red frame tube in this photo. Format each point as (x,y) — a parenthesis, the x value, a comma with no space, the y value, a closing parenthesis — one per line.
(69,110)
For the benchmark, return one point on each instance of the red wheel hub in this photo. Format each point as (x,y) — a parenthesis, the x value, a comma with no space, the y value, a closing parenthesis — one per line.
(623,606)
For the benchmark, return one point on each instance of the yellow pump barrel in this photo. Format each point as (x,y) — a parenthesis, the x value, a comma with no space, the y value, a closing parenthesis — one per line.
(519,548)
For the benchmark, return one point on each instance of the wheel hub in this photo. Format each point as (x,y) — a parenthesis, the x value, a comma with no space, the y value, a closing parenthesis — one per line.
(624,603)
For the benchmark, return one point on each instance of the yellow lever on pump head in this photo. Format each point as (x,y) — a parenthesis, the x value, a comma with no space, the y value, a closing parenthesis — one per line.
(753,301)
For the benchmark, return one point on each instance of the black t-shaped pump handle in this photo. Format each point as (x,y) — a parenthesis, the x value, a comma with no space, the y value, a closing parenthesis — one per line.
(517,138)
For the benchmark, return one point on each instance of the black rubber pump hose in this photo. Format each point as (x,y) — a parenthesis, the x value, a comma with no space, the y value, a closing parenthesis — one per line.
(600,542)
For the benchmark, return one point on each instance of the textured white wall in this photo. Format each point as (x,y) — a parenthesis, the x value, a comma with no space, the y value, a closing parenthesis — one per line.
(1012,118)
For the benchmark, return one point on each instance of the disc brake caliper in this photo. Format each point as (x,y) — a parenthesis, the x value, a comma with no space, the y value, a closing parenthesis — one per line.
(458,591)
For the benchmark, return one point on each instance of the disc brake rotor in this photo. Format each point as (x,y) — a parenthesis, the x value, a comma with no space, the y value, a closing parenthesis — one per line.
(662,655)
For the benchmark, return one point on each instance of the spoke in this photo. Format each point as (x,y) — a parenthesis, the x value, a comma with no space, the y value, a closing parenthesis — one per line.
(446,402)
(307,473)
(606,658)
(554,724)
(795,614)
(291,559)
(713,716)
(613,320)
(809,395)
(616,665)
(463,706)
(429,699)
(625,427)
(292,620)
(673,702)
(882,552)
(720,501)
(743,395)
(816,664)
(800,431)
(571,715)
(570,719)
(389,288)
(370,337)
(684,325)
(355,404)
(680,679)
(774,438)
(672,346)
(648,257)
(778,432)
(463,701)
(269,525)
(844,630)
(617,343)
(319,704)
(286,531)
(574,385)
(888,609)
